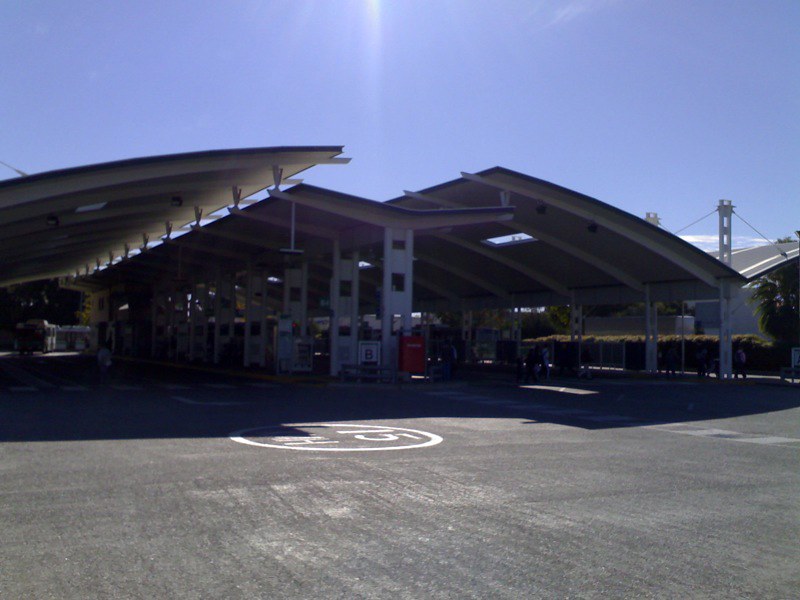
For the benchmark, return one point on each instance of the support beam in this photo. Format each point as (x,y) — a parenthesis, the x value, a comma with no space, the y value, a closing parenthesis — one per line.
(587,257)
(396,217)
(496,256)
(209,250)
(436,288)
(258,242)
(315,230)
(468,276)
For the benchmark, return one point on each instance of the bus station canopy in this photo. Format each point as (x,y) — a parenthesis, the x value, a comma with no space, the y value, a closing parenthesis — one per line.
(496,238)
(758,261)
(62,222)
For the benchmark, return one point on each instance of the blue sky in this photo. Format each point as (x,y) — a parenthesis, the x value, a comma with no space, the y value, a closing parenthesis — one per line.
(662,106)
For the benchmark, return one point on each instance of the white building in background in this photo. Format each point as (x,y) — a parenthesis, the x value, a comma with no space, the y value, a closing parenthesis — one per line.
(744,320)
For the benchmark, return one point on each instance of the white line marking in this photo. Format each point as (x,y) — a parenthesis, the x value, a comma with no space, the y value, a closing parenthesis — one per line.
(74,388)
(724,434)
(314,439)
(567,412)
(220,386)
(769,440)
(127,388)
(195,402)
(562,390)
(310,443)
(611,419)
(23,388)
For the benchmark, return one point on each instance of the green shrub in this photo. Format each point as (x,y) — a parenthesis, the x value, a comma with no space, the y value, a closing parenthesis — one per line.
(761,355)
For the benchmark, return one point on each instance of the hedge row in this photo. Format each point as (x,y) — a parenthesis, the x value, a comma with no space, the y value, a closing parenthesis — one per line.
(761,355)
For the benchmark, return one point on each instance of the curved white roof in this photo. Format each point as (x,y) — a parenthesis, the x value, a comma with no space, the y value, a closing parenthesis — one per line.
(54,223)
(489,239)
(755,262)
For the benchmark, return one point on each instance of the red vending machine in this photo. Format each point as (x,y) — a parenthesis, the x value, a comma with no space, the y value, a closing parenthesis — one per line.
(412,354)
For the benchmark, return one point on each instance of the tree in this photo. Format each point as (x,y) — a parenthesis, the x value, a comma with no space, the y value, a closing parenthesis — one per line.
(775,298)
(39,300)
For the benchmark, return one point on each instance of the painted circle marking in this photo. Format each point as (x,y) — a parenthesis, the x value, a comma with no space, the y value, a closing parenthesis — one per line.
(335,437)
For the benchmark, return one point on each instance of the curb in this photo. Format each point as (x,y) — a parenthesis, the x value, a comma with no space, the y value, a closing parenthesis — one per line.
(286,379)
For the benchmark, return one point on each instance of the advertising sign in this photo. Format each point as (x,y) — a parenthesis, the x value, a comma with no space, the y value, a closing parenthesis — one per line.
(412,354)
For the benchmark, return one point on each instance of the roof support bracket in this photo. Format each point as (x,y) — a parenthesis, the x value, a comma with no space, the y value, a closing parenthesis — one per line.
(236,191)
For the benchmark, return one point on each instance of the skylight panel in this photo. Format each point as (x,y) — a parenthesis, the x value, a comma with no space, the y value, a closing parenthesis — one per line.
(509,240)
(90,207)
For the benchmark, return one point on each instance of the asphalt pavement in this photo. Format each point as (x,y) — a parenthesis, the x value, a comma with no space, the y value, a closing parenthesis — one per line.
(176,483)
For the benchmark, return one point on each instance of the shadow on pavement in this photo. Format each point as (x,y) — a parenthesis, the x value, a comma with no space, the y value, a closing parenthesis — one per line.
(149,402)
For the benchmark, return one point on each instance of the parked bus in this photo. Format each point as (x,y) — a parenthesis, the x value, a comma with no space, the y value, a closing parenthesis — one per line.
(35,335)
(73,337)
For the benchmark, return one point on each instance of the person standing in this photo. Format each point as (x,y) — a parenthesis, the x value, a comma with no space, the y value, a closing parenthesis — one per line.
(545,362)
(104,361)
(739,360)
(702,362)
(446,354)
(671,361)
(531,364)
(586,360)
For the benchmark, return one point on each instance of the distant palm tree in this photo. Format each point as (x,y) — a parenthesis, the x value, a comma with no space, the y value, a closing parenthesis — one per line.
(776,300)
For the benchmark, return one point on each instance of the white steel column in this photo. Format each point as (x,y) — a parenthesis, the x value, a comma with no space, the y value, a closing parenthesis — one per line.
(335,307)
(304,298)
(248,310)
(192,320)
(386,303)
(198,322)
(725,241)
(255,331)
(725,253)
(466,326)
(408,260)
(171,328)
(650,332)
(182,324)
(575,321)
(355,316)
(725,331)
(295,295)
(159,322)
(224,313)
(344,304)
(153,321)
(398,257)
